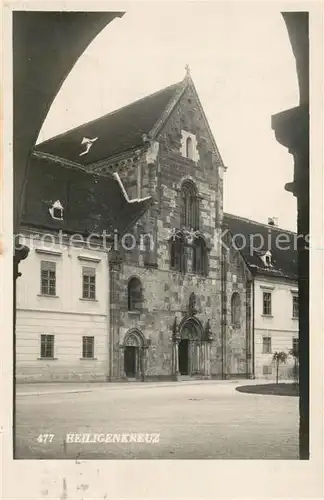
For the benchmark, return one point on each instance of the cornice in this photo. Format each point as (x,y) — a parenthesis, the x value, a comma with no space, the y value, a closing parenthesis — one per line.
(119,163)
(57,159)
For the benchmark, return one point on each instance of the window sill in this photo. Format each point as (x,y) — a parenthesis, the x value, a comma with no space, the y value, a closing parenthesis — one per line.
(267,353)
(134,313)
(267,315)
(189,159)
(47,295)
(154,265)
(296,318)
(47,359)
(88,359)
(189,273)
(88,300)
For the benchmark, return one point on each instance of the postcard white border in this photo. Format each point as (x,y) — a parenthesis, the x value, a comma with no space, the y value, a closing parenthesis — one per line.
(169,479)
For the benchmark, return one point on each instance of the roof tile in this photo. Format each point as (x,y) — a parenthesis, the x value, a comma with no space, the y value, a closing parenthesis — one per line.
(91,205)
(117,132)
(254,239)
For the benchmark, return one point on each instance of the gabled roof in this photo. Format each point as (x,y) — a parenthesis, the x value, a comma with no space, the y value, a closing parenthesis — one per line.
(40,65)
(116,132)
(256,239)
(123,130)
(91,204)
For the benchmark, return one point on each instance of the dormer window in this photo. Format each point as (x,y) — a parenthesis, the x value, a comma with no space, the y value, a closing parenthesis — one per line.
(57,210)
(267,259)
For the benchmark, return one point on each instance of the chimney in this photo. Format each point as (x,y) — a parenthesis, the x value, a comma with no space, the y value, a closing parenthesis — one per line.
(272,221)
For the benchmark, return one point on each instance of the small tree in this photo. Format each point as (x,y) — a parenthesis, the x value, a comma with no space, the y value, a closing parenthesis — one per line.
(294,352)
(277,358)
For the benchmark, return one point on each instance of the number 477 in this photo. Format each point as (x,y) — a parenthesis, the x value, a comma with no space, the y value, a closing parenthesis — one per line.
(45,438)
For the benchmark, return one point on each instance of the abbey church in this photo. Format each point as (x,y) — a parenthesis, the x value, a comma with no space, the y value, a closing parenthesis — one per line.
(172,299)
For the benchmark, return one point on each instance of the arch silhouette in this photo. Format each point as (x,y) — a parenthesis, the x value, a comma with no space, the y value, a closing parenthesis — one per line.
(134,293)
(134,337)
(191,328)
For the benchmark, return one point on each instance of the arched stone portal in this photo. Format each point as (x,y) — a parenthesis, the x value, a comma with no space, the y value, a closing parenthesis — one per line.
(192,350)
(133,354)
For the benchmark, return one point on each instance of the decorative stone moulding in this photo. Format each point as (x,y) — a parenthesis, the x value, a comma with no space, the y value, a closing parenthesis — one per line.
(89,258)
(176,337)
(48,251)
(117,165)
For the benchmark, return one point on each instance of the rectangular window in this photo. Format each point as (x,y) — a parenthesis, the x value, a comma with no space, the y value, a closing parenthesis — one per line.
(266,346)
(295,306)
(266,303)
(47,346)
(48,278)
(295,345)
(87,347)
(267,369)
(88,283)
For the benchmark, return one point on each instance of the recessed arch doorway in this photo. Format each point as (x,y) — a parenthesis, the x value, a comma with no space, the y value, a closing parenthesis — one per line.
(133,354)
(190,350)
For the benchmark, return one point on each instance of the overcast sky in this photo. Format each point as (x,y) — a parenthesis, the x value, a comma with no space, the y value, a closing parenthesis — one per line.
(244,71)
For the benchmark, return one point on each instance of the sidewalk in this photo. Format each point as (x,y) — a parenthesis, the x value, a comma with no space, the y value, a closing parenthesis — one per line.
(39,389)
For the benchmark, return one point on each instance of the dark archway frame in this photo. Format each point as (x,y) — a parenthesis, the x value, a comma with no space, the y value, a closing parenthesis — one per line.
(291,129)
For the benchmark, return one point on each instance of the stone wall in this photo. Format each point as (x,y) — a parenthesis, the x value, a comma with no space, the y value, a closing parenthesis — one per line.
(238,338)
(166,296)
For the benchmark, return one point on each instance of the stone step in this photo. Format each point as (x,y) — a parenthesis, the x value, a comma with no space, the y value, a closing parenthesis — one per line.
(192,377)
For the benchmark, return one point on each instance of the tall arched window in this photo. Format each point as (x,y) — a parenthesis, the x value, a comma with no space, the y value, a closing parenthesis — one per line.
(236,310)
(177,261)
(199,264)
(189,148)
(135,294)
(189,210)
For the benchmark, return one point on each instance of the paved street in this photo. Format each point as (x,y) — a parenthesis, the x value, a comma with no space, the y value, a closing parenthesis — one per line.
(194,420)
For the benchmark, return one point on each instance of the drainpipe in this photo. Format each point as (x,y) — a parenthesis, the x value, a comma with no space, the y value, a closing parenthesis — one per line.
(248,354)
(223,311)
(253,339)
(222,306)
(113,319)
(250,328)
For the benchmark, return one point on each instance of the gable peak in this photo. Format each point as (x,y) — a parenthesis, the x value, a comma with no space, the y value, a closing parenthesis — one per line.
(187,78)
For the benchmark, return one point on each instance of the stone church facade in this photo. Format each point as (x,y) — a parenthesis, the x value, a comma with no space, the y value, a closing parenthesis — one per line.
(179,298)
(172,295)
